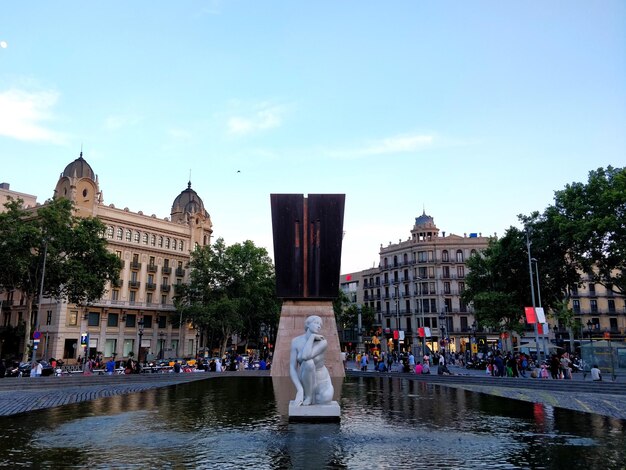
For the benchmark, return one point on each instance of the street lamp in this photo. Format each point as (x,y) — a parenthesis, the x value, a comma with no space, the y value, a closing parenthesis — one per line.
(197,341)
(474,327)
(442,328)
(140,324)
(543,334)
(532,289)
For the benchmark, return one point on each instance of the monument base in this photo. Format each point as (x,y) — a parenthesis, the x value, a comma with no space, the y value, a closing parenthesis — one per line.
(330,412)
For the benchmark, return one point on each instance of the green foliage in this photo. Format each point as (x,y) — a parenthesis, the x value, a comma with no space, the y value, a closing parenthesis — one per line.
(77,263)
(231,290)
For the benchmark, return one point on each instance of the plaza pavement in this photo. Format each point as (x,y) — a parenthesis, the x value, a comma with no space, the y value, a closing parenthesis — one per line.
(22,395)
(605,398)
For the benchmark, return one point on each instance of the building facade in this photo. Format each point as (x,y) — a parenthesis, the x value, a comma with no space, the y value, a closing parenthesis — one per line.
(418,283)
(137,315)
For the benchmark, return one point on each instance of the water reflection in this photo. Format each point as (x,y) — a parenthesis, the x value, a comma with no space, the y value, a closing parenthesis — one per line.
(386,422)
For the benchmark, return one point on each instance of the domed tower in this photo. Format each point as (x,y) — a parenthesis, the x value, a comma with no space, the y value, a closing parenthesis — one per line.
(188,209)
(424,228)
(79,184)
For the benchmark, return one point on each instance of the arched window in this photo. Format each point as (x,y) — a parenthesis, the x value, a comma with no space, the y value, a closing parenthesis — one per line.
(459,256)
(181,245)
(167,242)
(145,238)
(137,237)
(120,233)
(129,235)
(473,252)
(110,231)
(445,257)
(153,240)
(161,242)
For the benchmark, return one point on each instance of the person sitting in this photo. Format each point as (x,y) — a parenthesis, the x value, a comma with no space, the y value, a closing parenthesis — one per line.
(596,374)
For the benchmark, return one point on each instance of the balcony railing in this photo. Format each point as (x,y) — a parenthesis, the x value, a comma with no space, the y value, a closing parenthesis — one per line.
(150,286)
(135,265)
(166,269)
(180,272)
(118,283)
(152,268)
(134,284)
(165,287)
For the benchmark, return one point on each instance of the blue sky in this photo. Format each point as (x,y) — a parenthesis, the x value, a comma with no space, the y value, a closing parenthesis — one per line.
(472,111)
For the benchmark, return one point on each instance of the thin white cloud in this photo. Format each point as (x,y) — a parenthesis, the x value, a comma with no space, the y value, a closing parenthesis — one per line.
(114,123)
(265,117)
(23,114)
(390,145)
(179,134)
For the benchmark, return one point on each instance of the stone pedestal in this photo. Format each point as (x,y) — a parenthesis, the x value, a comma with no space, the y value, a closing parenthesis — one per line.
(292,318)
(315,413)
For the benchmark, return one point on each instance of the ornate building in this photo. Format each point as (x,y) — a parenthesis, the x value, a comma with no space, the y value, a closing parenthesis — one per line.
(418,283)
(137,315)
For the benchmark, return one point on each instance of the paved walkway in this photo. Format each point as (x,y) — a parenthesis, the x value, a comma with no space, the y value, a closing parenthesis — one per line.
(24,394)
(581,394)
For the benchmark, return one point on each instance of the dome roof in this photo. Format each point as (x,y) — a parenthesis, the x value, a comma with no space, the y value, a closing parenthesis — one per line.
(188,202)
(79,168)
(424,220)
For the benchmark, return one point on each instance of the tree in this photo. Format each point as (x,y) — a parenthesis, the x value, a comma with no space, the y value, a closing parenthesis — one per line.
(590,221)
(231,290)
(77,263)
(498,282)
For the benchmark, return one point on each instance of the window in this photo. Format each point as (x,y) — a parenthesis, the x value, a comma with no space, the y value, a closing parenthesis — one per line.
(181,245)
(446,287)
(132,296)
(166,263)
(594,306)
(129,346)
(147,321)
(93,319)
(592,289)
(112,320)
(576,305)
(110,347)
(49,317)
(160,242)
(129,235)
(459,256)
(162,321)
(421,257)
(152,261)
(445,257)
(460,271)
(73,318)
(613,324)
(131,319)
(115,294)
(446,272)
(110,232)
(133,276)
(120,233)
(145,238)
(611,304)
(167,243)
(461,287)
(135,258)
(165,281)
(163,299)
(153,240)
(137,237)
(149,298)
(575,291)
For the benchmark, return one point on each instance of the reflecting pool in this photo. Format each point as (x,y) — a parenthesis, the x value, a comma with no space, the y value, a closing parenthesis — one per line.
(386,422)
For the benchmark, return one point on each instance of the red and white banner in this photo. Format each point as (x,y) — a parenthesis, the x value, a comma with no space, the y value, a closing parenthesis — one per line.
(541,316)
(531,316)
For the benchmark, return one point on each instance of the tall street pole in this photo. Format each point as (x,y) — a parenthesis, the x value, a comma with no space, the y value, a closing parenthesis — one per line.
(532,291)
(543,335)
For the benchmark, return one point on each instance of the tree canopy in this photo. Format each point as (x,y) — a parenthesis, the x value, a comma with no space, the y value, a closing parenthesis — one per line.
(231,290)
(77,262)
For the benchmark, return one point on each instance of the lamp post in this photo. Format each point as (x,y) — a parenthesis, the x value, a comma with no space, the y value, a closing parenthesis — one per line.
(140,325)
(543,334)
(442,328)
(359,338)
(473,339)
(197,341)
(532,289)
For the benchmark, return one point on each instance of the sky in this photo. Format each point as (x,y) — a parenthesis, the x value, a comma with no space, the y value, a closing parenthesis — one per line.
(472,112)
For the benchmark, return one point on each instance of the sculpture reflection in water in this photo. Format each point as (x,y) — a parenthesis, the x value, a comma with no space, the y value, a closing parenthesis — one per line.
(306,365)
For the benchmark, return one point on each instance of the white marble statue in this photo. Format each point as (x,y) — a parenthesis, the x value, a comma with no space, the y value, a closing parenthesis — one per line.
(306,366)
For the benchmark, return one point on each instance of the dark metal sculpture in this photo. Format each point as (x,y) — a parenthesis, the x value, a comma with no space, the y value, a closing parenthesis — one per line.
(307,244)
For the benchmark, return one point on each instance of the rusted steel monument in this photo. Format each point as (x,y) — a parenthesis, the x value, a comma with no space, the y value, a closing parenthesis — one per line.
(308,233)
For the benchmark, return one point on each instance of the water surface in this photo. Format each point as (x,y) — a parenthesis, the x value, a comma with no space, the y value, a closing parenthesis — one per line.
(386,423)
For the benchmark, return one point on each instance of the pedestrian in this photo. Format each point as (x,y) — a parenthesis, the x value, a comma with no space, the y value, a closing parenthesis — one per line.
(110,366)
(418,368)
(596,374)
(3,369)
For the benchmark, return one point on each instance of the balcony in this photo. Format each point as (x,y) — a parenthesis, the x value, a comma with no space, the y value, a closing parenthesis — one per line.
(166,270)
(152,268)
(119,283)
(180,272)
(165,287)
(134,284)
(135,265)
(150,286)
